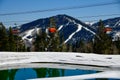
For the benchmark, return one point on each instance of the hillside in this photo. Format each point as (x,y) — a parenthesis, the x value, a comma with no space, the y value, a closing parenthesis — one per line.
(72,29)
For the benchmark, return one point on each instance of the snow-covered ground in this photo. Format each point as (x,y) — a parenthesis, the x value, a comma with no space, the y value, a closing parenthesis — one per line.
(110,62)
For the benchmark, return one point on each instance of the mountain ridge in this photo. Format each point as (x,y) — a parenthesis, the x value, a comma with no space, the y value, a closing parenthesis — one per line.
(73,29)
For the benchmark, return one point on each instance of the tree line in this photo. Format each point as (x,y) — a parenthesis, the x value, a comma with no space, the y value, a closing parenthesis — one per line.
(9,41)
(101,44)
(54,42)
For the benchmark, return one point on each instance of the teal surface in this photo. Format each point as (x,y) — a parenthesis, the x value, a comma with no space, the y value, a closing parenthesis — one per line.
(30,73)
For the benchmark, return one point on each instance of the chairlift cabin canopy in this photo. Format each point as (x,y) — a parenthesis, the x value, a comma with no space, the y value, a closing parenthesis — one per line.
(52,30)
(107,29)
(15,31)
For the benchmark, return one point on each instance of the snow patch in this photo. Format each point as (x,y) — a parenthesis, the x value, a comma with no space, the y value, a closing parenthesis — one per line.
(68,19)
(89,23)
(28,33)
(28,36)
(116,36)
(119,24)
(107,26)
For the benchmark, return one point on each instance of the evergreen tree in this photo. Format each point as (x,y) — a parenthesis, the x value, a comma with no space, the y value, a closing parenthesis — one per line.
(52,22)
(11,40)
(81,47)
(69,47)
(102,42)
(63,46)
(15,41)
(117,47)
(4,45)
(88,47)
(41,41)
(54,41)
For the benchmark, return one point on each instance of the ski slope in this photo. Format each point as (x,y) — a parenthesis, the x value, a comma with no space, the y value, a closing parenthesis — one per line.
(60,27)
(79,28)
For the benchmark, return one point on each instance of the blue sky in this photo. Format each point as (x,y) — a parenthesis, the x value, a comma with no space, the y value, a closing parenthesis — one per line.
(11,6)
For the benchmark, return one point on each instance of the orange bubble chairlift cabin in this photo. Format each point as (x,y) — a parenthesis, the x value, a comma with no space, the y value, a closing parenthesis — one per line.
(15,31)
(107,29)
(52,30)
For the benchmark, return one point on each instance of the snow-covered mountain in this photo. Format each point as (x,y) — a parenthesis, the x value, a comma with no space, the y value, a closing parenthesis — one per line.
(113,23)
(72,29)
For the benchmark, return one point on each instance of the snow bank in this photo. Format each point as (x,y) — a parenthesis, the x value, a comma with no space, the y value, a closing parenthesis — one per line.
(59,57)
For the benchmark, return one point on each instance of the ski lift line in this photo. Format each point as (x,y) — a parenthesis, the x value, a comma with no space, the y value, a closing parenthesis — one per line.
(58,9)
(10,22)
(99,15)
(16,21)
(75,17)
